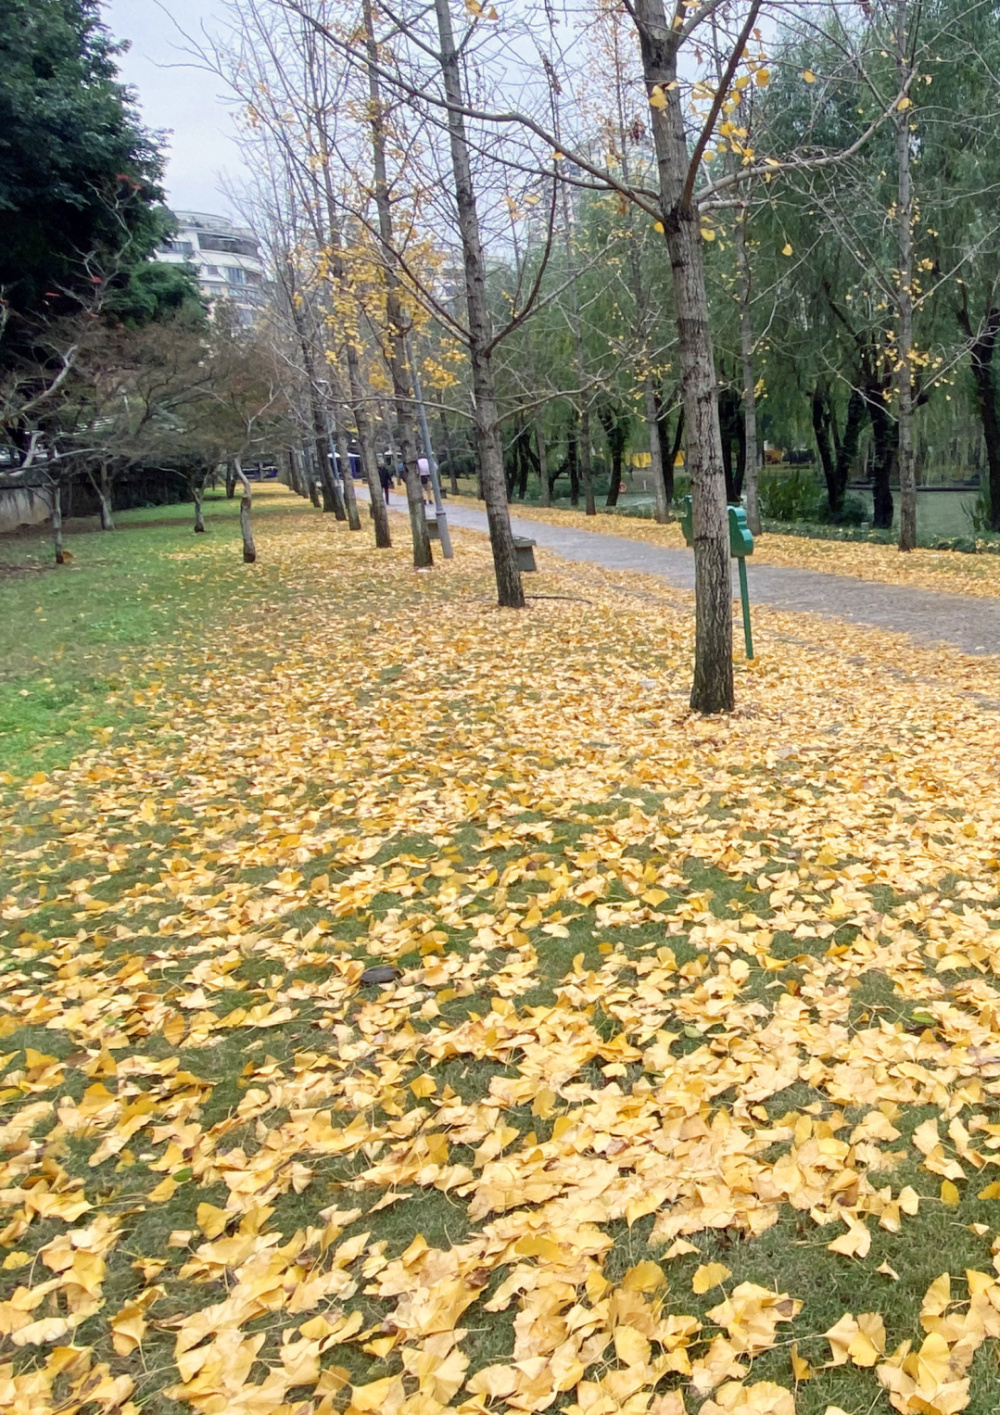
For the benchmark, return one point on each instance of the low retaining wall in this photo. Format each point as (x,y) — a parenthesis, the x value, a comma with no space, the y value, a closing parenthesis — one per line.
(22,506)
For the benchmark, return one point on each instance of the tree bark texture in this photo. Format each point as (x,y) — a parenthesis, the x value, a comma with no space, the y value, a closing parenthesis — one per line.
(662,496)
(57,523)
(904,299)
(311,479)
(344,458)
(355,388)
(712,688)
(982,346)
(884,441)
(579,352)
(751,453)
(397,324)
(510,591)
(369,457)
(104,496)
(543,463)
(198,491)
(586,462)
(246,526)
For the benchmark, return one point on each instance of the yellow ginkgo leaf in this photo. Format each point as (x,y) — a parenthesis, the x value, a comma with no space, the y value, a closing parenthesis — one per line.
(801,1369)
(950,1194)
(809,76)
(904,103)
(709,1275)
(786,248)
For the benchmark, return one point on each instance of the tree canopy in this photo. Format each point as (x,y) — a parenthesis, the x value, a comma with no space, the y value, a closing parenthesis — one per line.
(77,170)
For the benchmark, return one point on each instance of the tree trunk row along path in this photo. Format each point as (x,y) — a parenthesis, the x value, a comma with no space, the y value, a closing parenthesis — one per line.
(969,622)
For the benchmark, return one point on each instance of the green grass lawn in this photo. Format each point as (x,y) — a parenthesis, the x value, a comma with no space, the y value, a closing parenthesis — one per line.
(77,642)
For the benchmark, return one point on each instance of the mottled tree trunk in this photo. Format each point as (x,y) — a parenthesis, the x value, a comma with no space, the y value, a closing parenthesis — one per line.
(246,527)
(712,689)
(198,491)
(510,591)
(586,463)
(543,462)
(661,496)
(104,497)
(396,318)
(884,448)
(57,523)
(369,457)
(344,457)
(751,453)
(982,347)
(904,298)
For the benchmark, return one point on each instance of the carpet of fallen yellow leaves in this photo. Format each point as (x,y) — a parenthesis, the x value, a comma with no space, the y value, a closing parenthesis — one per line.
(680,1091)
(948,571)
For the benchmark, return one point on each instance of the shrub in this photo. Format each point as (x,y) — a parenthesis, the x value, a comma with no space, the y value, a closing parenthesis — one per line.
(979,511)
(463,463)
(790,496)
(853,512)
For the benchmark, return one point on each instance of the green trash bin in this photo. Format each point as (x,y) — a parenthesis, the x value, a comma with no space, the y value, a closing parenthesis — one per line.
(740,546)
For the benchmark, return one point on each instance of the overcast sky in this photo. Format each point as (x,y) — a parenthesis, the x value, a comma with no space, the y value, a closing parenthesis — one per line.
(183,99)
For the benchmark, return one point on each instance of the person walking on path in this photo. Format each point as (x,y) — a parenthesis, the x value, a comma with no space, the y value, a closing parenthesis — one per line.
(385,477)
(424,468)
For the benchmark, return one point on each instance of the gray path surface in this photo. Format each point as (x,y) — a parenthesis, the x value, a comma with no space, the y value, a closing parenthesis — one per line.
(971,624)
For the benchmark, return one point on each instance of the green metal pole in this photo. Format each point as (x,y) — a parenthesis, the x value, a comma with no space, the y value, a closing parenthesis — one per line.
(744,596)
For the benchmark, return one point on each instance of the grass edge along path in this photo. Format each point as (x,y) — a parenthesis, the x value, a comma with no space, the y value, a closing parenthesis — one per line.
(948,571)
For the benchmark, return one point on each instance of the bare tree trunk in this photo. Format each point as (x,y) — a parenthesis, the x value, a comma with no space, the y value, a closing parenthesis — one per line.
(586,462)
(344,457)
(321,441)
(104,497)
(332,499)
(246,502)
(982,347)
(749,382)
(651,410)
(661,512)
(904,230)
(487,423)
(310,473)
(369,457)
(543,461)
(398,327)
(57,523)
(198,490)
(712,689)
(230,483)
(292,473)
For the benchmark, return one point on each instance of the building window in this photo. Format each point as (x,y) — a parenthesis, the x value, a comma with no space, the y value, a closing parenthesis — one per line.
(236,274)
(211,270)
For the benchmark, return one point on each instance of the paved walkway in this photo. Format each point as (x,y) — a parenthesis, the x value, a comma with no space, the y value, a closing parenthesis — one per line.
(930,616)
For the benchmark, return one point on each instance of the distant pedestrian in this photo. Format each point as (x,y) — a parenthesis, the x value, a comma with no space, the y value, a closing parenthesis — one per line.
(385,477)
(424,468)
